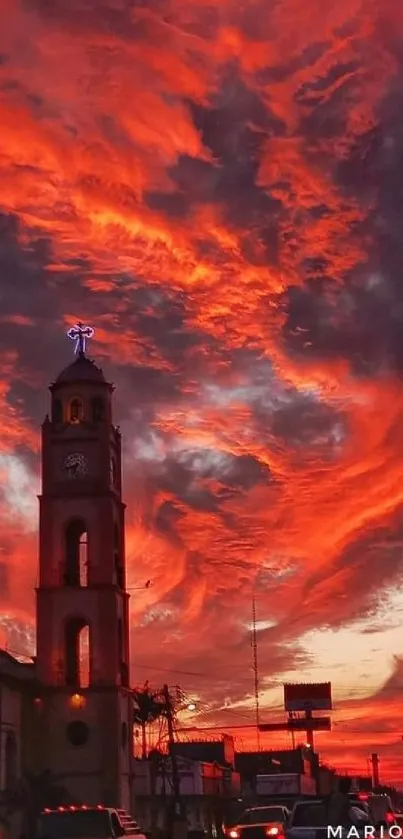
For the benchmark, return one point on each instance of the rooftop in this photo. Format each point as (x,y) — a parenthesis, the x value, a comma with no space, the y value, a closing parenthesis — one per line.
(81,370)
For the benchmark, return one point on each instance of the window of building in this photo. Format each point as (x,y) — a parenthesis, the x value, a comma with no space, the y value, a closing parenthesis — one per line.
(76,411)
(98,409)
(76,553)
(78,733)
(57,411)
(10,759)
(83,559)
(77,653)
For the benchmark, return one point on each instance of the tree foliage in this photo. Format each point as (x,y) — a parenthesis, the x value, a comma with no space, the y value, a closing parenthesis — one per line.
(148,706)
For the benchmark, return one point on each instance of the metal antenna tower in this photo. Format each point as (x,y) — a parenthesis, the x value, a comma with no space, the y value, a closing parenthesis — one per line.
(255,671)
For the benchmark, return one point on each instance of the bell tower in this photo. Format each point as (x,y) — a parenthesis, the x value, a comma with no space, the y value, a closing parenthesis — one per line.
(82,603)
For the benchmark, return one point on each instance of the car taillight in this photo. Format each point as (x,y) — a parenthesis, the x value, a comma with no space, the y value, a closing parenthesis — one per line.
(233,834)
(274,831)
(390,818)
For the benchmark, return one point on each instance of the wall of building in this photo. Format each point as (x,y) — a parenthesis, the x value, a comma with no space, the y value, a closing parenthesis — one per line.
(218,751)
(16,705)
(205,789)
(10,733)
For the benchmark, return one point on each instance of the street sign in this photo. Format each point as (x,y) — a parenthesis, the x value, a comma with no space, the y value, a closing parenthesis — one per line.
(308,697)
(313,724)
(299,724)
(274,726)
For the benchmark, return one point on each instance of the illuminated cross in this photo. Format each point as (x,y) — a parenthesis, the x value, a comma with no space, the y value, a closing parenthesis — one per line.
(80,334)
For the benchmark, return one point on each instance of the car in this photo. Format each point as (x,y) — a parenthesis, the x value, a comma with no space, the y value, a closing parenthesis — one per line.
(380,806)
(309,820)
(260,823)
(86,822)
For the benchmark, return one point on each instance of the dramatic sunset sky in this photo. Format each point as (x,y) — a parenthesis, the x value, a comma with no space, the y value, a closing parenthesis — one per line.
(217,187)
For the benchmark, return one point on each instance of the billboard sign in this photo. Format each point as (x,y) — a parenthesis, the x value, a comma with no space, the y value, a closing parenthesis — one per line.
(308,697)
(316,724)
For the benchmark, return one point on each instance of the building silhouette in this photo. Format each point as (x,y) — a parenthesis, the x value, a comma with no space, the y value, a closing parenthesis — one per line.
(69,710)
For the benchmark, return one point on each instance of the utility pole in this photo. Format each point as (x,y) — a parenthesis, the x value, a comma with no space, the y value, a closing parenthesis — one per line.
(255,671)
(375,770)
(309,729)
(179,823)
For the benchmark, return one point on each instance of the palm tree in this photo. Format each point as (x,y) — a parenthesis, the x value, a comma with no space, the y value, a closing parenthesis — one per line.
(30,795)
(148,706)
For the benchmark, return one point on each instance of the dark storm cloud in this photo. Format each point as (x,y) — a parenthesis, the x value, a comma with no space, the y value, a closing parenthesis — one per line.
(308,57)
(166,520)
(153,313)
(362,319)
(160,316)
(393,685)
(187,476)
(111,18)
(328,113)
(376,556)
(310,425)
(234,128)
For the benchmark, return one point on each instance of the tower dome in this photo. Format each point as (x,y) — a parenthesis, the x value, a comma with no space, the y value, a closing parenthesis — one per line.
(82,369)
(81,394)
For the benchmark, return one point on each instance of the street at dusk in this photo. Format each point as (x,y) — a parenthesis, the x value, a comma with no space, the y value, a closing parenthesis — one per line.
(215,188)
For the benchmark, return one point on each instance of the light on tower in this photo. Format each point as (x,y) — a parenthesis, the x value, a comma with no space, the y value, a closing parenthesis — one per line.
(77,701)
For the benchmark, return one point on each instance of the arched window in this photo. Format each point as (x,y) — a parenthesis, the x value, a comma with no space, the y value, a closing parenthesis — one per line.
(57,411)
(77,653)
(10,759)
(76,553)
(98,409)
(76,411)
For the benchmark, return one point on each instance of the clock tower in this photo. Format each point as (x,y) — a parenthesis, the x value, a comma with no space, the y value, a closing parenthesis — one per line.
(82,604)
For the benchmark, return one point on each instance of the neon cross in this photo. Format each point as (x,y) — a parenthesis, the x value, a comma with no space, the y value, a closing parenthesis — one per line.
(80,334)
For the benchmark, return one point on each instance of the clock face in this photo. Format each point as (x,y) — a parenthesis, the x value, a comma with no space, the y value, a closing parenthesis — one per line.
(75,465)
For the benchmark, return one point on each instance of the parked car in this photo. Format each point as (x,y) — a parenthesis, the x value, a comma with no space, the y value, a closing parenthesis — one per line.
(86,822)
(260,823)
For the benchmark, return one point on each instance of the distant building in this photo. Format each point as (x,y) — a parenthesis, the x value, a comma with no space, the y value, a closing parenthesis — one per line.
(214,751)
(18,704)
(205,789)
(251,765)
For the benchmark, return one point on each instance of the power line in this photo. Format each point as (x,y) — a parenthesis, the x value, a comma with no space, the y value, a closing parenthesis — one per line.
(275,682)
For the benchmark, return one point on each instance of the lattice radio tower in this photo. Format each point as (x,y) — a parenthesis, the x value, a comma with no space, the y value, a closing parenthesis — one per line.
(255,671)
